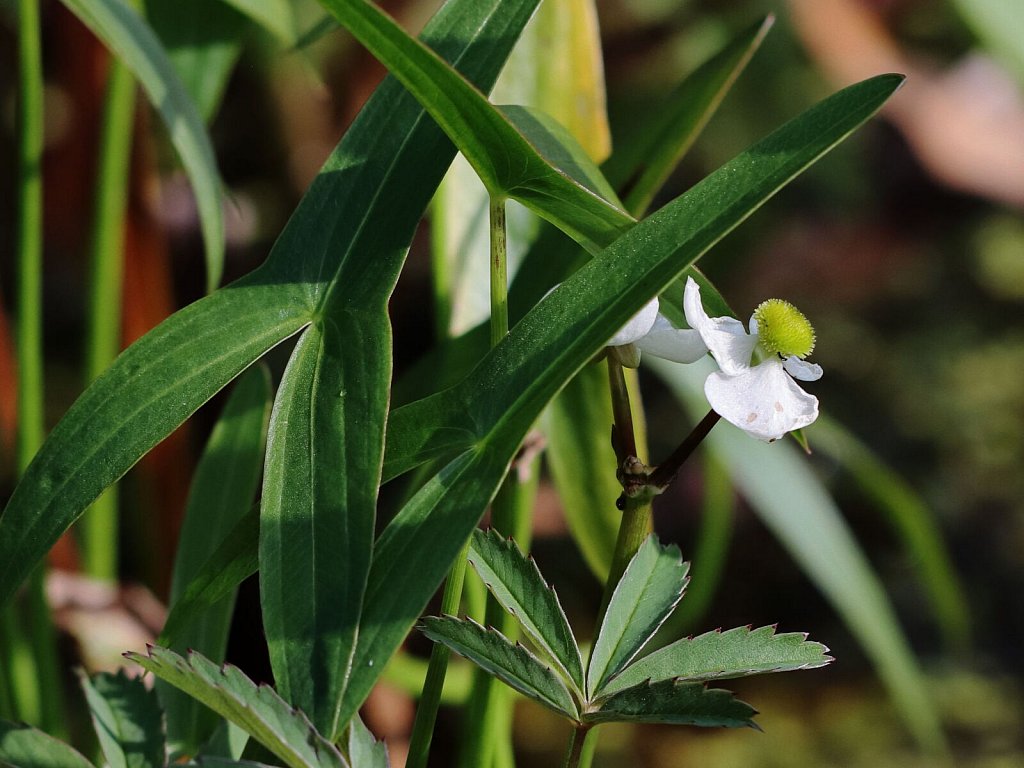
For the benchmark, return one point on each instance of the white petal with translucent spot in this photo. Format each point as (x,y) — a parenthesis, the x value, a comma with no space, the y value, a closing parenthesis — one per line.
(763,401)
(725,337)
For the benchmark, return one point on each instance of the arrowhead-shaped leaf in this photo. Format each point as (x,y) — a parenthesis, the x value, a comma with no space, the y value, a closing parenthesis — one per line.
(23,745)
(649,589)
(518,586)
(257,710)
(128,721)
(675,703)
(723,655)
(509,662)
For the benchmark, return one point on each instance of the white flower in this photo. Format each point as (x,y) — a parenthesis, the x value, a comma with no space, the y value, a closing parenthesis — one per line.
(762,399)
(650,331)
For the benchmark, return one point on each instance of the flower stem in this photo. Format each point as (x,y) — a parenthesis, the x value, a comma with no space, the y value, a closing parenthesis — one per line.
(98,528)
(426,712)
(667,470)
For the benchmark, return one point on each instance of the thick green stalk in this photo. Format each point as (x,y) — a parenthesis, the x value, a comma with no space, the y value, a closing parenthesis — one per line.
(426,712)
(574,751)
(99,528)
(29,647)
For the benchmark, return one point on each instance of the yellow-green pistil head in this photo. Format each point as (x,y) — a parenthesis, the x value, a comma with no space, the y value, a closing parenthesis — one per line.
(783,329)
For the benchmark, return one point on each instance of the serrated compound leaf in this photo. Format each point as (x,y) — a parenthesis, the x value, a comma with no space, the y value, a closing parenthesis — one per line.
(517,584)
(128,720)
(718,655)
(256,709)
(675,703)
(651,586)
(509,662)
(23,745)
(128,36)
(364,751)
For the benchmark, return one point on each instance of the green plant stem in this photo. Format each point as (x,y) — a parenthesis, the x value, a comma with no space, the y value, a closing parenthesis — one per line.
(29,647)
(99,528)
(426,712)
(574,751)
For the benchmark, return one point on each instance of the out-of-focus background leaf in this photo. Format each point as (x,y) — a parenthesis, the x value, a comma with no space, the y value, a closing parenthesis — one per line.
(904,248)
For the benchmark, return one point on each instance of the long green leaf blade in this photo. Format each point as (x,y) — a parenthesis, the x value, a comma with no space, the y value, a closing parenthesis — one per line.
(223,492)
(152,387)
(487,415)
(651,586)
(125,33)
(721,655)
(258,710)
(676,703)
(276,16)
(25,745)
(517,584)
(128,721)
(509,662)
(506,162)
(791,501)
(575,320)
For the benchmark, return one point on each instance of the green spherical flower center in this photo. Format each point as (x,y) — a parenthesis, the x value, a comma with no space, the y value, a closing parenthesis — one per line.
(783,329)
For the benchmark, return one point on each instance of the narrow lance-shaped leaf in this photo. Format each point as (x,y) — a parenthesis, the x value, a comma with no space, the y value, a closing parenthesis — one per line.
(128,721)
(327,433)
(578,317)
(222,494)
(488,414)
(25,745)
(258,710)
(508,164)
(676,703)
(152,387)
(510,663)
(649,589)
(518,586)
(170,372)
(133,42)
(722,656)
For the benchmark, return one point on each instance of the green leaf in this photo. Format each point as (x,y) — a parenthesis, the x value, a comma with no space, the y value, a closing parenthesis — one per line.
(23,745)
(128,36)
(326,444)
(275,16)
(562,332)
(217,516)
(152,387)
(128,720)
(518,586)
(258,710)
(510,663)
(911,518)
(488,413)
(507,163)
(649,589)
(364,751)
(354,212)
(675,703)
(721,655)
(319,497)
(790,499)
(233,561)
(203,40)
(647,156)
